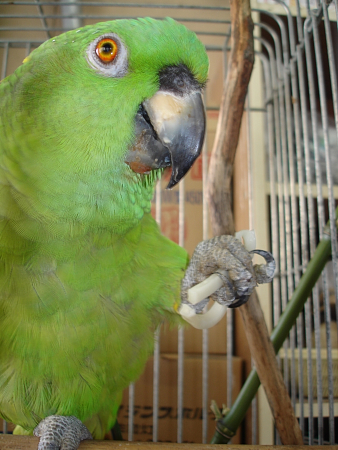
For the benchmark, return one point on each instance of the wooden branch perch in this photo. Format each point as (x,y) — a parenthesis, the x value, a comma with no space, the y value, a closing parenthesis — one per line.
(230,117)
(268,371)
(220,196)
(10,442)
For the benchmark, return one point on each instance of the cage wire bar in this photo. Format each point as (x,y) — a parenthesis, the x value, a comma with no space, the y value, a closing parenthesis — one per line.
(299,60)
(303,197)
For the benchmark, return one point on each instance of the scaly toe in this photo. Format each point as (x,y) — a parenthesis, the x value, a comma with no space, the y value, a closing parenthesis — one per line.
(61,433)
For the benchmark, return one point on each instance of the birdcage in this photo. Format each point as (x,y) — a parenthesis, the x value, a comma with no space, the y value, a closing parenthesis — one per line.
(284,186)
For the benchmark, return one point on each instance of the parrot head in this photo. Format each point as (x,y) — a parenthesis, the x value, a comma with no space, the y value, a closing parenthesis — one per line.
(118,102)
(170,120)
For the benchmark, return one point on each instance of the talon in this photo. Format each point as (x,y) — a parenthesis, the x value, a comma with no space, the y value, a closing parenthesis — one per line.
(239,301)
(225,258)
(61,433)
(264,272)
(226,294)
(221,254)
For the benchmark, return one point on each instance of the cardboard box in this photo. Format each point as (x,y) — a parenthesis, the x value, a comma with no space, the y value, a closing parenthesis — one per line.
(193,209)
(193,199)
(193,338)
(192,395)
(10,426)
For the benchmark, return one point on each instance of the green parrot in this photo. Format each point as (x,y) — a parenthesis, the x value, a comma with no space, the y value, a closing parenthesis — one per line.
(88,124)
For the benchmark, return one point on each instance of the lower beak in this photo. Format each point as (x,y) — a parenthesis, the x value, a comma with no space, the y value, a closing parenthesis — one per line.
(170,131)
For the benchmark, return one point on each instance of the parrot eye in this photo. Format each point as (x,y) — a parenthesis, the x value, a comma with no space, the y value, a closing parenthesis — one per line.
(106,50)
(108,56)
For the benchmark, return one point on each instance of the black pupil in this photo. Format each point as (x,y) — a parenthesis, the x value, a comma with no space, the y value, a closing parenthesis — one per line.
(107,47)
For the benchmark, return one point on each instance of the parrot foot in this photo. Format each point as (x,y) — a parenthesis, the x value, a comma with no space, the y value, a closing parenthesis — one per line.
(61,433)
(226,256)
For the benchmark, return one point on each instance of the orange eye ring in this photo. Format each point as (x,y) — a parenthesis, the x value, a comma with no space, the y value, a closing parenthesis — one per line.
(106,50)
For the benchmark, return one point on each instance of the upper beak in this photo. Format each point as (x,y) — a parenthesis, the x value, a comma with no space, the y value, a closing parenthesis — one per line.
(170,131)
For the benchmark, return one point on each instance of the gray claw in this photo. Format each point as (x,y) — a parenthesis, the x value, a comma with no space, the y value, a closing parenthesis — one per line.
(264,272)
(61,433)
(239,301)
(226,256)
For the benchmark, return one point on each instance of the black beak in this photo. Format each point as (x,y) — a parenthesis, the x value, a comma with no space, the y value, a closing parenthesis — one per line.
(170,131)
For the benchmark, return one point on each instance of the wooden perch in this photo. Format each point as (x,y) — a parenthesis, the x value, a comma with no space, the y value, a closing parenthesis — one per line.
(220,202)
(230,117)
(268,371)
(9,442)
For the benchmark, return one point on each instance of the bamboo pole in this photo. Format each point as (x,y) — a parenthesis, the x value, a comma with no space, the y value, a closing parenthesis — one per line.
(220,194)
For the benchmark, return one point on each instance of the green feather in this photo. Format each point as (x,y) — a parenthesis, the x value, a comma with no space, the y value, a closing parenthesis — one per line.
(85,274)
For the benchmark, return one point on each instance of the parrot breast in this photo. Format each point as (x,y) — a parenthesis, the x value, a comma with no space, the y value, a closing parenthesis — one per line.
(82,329)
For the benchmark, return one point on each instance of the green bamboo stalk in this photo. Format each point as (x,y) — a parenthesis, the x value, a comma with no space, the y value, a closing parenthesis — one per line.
(227,426)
